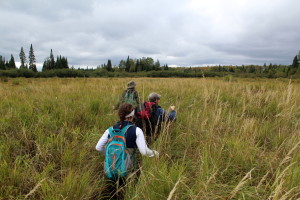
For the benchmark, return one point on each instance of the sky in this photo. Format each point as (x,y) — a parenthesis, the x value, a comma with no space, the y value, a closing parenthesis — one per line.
(175,32)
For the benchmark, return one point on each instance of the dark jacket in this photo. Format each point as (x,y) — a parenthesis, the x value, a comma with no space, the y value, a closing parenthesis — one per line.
(130,135)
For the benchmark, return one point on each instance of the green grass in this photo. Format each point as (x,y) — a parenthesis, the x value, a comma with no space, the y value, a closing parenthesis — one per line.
(233,139)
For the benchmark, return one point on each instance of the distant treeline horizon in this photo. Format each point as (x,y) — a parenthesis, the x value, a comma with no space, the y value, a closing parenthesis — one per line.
(141,67)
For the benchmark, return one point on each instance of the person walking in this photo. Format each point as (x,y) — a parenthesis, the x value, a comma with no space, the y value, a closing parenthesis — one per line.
(130,95)
(111,142)
(150,116)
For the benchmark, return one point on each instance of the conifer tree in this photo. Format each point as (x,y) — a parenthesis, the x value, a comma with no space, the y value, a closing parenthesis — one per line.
(52,61)
(32,60)
(23,59)
(12,64)
(58,63)
(295,62)
(127,66)
(166,67)
(65,63)
(109,66)
(2,63)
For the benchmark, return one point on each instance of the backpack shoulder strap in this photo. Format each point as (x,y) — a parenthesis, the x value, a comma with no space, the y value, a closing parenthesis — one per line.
(124,130)
(111,132)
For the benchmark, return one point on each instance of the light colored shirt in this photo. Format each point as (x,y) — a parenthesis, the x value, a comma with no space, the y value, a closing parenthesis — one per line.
(140,142)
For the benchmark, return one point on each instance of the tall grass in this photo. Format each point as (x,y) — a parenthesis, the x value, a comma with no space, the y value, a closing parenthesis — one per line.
(233,139)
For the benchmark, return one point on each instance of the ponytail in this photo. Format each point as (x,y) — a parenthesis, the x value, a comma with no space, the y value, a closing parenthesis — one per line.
(124,110)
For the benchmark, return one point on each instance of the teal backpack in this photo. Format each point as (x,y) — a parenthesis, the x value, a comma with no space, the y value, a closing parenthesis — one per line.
(130,98)
(117,157)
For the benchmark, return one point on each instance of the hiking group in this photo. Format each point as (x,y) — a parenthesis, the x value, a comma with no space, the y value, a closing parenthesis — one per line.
(119,142)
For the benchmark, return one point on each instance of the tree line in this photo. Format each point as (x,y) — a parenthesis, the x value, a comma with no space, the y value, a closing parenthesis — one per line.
(135,65)
(49,63)
(145,66)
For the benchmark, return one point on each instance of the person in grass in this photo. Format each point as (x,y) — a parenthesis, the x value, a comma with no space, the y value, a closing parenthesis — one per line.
(134,135)
(130,95)
(134,138)
(151,122)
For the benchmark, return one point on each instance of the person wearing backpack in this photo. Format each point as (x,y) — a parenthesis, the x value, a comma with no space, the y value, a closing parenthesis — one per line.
(119,143)
(149,116)
(130,95)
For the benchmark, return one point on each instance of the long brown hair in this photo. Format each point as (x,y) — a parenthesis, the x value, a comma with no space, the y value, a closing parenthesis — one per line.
(124,110)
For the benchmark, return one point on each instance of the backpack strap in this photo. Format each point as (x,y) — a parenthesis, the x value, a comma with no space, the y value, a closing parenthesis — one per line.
(118,133)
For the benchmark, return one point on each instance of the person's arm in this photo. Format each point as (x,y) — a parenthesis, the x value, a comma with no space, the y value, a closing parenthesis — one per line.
(102,142)
(172,115)
(141,144)
(164,115)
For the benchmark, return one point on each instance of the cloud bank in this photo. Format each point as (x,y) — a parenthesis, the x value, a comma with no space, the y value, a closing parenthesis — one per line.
(181,33)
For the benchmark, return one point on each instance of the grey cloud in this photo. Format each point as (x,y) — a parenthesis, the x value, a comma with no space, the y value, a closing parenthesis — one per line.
(90,32)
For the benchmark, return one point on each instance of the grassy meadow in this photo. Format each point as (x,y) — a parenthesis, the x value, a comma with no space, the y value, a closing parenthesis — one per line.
(233,139)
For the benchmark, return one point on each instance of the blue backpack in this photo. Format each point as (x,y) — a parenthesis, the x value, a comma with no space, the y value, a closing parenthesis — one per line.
(117,157)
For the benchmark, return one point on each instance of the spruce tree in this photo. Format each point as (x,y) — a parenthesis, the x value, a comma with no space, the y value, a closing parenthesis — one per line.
(46,65)
(2,63)
(65,62)
(23,59)
(167,67)
(109,66)
(32,60)
(12,64)
(295,62)
(52,61)
(58,63)
(127,66)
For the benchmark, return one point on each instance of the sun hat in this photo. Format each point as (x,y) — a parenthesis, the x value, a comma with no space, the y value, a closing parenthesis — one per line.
(131,84)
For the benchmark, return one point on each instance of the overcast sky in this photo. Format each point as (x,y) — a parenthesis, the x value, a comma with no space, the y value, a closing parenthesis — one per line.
(176,32)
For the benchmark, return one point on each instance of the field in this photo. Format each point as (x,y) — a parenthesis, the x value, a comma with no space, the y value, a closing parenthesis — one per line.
(233,139)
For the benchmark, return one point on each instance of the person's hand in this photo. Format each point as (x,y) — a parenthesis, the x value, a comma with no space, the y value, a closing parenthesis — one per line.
(155,154)
(172,107)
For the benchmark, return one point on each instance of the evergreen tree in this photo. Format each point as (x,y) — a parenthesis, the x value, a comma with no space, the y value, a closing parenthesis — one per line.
(2,63)
(295,62)
(109,66)
(52,62)
(58,64)
(65,62)
(127,66)
(32,60)
(166,67)
(23,59)
(137,66)
(46,65)
(12,64)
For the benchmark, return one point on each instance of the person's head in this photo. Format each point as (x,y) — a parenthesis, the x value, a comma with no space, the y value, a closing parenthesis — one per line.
(131,85)
(154,97)
(126,112)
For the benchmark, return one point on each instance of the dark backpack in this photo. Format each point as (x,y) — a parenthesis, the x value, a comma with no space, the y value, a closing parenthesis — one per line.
(117,157)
